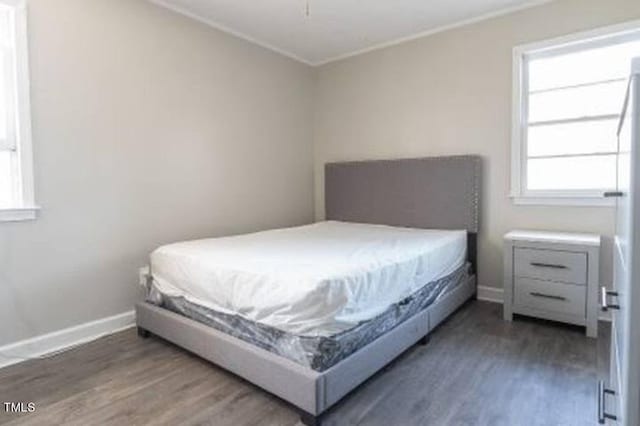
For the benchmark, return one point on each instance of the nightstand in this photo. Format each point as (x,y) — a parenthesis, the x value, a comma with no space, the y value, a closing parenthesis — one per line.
(552,275)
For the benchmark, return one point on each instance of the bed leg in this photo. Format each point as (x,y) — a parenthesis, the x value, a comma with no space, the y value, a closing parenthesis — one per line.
(425,340)
(143,333)
(310,420)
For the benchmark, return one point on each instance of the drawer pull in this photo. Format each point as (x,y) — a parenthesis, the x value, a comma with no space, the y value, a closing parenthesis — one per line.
(548,265)
(604,299)
(548,296)
(602,410)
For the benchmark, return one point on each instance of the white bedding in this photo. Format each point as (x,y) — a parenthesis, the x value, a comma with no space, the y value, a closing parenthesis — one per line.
(316,280)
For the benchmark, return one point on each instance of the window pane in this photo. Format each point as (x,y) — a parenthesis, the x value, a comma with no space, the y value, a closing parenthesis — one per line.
(572,173)
(572,138)
(5,50)
(587,101)
(6,181)
(582,67)
(5,25)
(3,98)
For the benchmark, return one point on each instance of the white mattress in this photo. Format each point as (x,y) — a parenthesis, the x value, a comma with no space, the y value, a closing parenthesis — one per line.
(313,280)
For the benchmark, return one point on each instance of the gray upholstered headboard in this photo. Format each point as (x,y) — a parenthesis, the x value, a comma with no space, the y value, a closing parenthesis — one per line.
(433,192)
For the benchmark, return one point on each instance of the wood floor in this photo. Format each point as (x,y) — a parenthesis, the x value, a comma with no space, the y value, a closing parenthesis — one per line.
(476,370)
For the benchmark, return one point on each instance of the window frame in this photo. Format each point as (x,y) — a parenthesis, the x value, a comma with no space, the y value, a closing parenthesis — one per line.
(557,46)
(25,208)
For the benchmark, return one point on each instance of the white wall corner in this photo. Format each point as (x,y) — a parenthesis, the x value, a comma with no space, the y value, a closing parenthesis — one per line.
(490,294)
(57,341)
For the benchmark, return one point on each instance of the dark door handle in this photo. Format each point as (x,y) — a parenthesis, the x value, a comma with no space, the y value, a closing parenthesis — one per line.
(613,194)
(602,410)
(604,299)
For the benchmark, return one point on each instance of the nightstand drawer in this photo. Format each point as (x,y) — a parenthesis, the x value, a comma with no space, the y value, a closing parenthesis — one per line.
(550,265)
(566,299)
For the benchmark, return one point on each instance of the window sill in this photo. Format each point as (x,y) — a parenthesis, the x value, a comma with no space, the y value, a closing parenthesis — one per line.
(563,201)
(18,214)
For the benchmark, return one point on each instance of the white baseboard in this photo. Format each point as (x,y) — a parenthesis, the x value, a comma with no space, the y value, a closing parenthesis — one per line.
(64,339)
(69,337)
(490,294)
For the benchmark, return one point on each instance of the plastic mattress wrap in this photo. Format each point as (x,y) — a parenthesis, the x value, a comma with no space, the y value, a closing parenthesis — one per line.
(316,352)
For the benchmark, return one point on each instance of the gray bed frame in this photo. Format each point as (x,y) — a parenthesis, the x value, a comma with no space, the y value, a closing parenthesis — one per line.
(437,192)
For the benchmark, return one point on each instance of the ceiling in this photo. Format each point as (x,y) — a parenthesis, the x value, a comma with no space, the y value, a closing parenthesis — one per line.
(334,29)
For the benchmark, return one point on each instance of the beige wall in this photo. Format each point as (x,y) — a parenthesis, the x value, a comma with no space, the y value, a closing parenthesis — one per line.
(148,128)
(151,128)
(450,93)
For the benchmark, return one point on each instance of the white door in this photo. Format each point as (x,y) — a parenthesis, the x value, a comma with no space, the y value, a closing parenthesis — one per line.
(618,404)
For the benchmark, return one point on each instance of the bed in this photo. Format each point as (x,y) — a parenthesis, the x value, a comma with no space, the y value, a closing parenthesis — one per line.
(308,313)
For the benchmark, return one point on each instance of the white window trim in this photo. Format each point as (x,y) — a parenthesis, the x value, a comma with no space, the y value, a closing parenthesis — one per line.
(28,208)
(577,41)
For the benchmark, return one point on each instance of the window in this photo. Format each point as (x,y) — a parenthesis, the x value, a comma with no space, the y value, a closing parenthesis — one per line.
(16,176)
(568,96)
